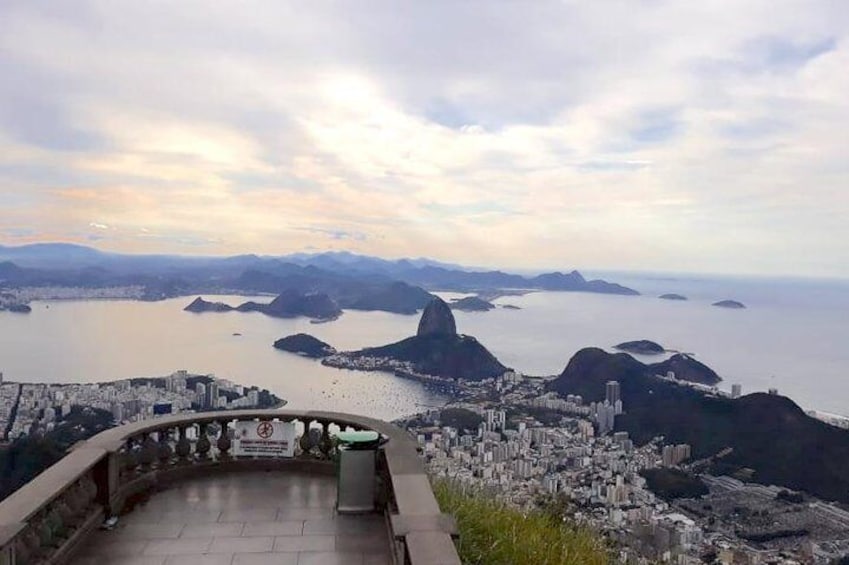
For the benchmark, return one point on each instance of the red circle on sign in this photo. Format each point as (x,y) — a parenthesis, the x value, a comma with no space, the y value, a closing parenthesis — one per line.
(265,430)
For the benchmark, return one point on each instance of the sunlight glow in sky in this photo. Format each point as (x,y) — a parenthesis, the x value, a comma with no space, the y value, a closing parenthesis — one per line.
(653,135)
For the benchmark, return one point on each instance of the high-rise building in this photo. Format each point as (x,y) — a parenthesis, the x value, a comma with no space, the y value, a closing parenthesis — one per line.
(117,412)
(212,395)
(200,393)
(736,390)
(494,419)
(668,455)
(612,392)
(675,454)
(605,417)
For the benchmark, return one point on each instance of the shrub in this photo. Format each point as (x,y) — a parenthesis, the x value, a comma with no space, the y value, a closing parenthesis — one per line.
(492,533)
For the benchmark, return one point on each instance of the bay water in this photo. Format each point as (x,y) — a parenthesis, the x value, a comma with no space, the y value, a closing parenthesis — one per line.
(793,336)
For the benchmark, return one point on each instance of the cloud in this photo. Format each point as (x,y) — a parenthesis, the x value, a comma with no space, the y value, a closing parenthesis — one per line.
(337,234)
(654,135)
(783,53)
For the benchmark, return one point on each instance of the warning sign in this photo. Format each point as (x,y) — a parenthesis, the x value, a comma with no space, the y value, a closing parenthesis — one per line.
(264,439)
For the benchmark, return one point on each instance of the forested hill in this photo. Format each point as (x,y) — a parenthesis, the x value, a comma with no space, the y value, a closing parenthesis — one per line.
(768,434)
(26,457)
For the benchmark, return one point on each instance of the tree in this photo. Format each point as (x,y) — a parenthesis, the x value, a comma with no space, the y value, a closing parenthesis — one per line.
(28,456)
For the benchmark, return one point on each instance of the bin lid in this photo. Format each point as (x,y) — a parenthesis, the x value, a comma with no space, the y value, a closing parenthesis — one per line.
(353,438)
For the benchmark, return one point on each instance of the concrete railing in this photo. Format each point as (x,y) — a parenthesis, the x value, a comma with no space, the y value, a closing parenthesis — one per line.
(48,519)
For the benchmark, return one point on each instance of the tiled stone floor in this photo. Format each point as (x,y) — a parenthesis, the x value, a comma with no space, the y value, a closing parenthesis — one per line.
(254,518)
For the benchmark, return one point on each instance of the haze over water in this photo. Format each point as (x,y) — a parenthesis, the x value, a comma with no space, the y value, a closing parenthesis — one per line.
(792,337)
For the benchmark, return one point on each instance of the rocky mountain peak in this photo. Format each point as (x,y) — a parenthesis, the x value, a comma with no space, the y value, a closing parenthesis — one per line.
(437,319)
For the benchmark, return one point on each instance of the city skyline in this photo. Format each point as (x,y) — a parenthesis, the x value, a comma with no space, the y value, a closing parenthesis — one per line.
(635,136)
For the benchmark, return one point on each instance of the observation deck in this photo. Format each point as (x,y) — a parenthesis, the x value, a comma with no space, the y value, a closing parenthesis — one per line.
(182,496)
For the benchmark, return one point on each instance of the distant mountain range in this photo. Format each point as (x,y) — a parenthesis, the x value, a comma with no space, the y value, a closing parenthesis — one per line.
(352,281)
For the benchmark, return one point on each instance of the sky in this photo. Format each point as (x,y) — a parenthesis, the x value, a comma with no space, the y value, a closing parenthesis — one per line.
(635,134)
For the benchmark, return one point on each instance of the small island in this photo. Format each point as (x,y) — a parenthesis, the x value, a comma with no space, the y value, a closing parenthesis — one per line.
(288,304)
(305,345)
(471,304)
(511,307)
(672,296)
(11,303)
(732,304)
(641,347)
(199,305)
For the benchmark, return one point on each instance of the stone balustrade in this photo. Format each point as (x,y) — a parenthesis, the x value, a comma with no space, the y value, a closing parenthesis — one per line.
(47,519)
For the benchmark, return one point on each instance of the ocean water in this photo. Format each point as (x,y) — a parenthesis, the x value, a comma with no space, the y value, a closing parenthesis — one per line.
(793,336)
(93,341)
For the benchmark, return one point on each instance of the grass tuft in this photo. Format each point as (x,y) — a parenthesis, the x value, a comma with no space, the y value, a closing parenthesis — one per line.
(492,533)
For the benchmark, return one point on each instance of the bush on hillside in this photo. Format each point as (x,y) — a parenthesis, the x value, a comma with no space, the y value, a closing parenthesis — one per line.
(492,533)
(460,418)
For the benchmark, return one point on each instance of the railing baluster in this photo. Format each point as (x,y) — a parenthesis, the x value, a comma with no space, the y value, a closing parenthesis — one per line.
(23,551)
(203,445)
(130,458)
(326,443)
(148,452)
(224,443)
(32,541)
(45,534)
(314,435)
(66,513)
(184,446)
(53,521)
(305,442)
(164,450)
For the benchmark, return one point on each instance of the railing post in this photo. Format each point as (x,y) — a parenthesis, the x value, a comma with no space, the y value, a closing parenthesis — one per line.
(113,463)
(149,451)
(203,445)
(12,549)
(325,444)
(107,480)
(130,459)
(224,443)
(7,555)
(164,450)
(184,447)
(306,439)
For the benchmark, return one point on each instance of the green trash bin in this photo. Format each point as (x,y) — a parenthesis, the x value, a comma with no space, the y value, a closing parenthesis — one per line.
(355,471)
